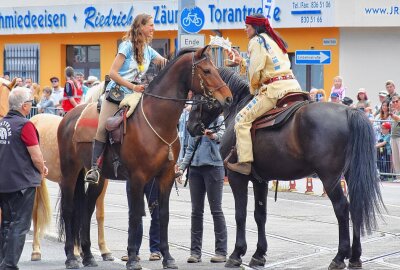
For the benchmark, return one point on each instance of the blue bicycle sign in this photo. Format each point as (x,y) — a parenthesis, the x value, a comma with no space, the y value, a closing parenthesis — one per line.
(192,20)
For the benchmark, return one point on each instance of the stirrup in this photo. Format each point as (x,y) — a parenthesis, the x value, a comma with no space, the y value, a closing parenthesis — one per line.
(94,171)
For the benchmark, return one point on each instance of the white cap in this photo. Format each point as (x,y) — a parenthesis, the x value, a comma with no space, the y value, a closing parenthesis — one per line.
(92,79)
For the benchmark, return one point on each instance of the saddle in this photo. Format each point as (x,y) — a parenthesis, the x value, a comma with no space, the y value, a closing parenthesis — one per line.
(86,126)
(116,126)
(285,108)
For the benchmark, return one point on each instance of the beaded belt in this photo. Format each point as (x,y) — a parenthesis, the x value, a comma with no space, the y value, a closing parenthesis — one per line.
(280,78)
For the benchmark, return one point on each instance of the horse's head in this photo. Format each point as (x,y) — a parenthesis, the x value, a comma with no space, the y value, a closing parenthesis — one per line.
(206,79)
(5,88)
(204,111)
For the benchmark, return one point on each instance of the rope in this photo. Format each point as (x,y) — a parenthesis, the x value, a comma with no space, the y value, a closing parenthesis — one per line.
(170,153)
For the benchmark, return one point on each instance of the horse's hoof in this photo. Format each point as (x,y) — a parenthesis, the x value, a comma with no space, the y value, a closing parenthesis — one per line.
(89,262)
(108,257)
(337,266)
(169,264)
(255,262)
(133,265)
(233,263)
(71,264)
(355,265)
(36,256)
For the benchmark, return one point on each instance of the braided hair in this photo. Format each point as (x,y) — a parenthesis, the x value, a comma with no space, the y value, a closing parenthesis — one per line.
(259,29)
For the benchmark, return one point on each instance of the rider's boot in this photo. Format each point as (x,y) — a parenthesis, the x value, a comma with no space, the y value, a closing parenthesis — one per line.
(93,175)
(242,167)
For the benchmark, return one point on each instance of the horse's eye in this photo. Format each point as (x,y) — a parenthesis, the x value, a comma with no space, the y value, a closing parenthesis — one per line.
(207,71)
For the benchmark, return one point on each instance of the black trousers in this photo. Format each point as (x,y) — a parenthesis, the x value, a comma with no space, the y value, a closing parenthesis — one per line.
(16,217)
(207,180)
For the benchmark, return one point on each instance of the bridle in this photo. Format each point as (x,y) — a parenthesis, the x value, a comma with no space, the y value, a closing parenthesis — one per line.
(207,90)
(207,101)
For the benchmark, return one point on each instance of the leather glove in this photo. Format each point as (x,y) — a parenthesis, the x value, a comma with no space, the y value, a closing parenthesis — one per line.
(131,101)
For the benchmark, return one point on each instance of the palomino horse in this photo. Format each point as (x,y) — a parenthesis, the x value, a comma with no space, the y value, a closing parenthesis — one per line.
(149,149)
(5,88)
(324,138)
(47,126)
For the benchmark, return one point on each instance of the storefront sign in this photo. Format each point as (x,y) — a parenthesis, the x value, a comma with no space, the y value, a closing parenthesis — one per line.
(62,17)
(192,41)
(329,42)
(369,13)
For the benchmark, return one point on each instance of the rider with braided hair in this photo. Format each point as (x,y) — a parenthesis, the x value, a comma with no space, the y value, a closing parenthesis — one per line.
(131,62)
(270,77)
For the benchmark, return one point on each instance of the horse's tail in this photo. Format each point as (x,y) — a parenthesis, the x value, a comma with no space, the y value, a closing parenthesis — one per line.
(77,211)
(361,173)
(42,208)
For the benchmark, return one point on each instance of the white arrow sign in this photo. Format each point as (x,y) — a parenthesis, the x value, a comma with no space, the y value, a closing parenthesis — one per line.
(313,57)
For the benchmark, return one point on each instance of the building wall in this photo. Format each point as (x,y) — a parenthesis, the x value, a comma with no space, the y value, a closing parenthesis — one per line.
(53,50)
(369,57)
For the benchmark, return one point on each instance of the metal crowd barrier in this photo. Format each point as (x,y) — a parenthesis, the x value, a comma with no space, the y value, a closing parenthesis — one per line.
(384,156)
(35,110)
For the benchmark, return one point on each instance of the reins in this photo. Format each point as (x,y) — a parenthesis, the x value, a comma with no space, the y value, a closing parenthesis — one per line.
(187,101)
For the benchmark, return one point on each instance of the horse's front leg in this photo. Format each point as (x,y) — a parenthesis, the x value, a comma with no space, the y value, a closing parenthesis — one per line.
(92,194)
(239,185)
(260,216)
(134,190)
(165,182)
(105,252)
(341,208)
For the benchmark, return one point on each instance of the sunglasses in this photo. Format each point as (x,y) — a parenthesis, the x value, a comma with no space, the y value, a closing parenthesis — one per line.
(395,101)
(29,101)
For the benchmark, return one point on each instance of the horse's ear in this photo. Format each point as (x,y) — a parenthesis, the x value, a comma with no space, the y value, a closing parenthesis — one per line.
(200,53)
(12,84)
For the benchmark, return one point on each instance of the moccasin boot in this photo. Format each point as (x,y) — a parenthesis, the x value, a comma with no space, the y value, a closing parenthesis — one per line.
(242,167)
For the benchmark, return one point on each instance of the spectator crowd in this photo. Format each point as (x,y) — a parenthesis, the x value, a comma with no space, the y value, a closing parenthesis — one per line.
(384,116)
(52,97)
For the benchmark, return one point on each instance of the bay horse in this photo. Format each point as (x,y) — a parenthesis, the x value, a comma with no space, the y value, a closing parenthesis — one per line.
(47,126)
(150,149)
(324,138)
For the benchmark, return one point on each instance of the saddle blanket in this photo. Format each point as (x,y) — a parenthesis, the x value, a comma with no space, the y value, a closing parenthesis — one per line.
(86,126)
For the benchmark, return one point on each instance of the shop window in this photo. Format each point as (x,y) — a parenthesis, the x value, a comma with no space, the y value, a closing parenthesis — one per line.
(160,45)
(309,76)
(85,59)
(22,60)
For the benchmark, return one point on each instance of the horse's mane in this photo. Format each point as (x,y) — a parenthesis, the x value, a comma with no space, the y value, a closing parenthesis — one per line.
(182,52)
(239,87)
